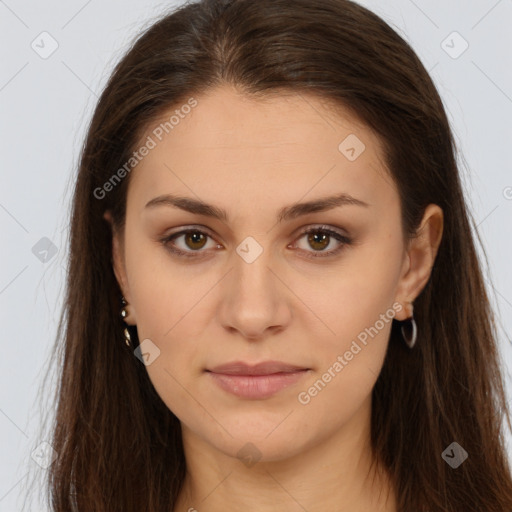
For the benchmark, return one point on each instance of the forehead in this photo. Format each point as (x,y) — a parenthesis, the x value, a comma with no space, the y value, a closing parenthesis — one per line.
(287,145)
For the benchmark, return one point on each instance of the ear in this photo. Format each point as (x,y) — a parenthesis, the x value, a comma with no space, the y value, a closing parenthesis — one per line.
(119,267)
(419,259)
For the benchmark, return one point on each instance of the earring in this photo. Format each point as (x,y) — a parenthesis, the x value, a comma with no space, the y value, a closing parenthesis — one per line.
(410,325)
(124,314)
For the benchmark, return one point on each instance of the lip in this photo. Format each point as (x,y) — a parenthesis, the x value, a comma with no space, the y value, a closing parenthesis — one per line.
(264,368)
(259,381)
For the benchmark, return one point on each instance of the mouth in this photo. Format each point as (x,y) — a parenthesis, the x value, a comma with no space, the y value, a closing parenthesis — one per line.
(258,381)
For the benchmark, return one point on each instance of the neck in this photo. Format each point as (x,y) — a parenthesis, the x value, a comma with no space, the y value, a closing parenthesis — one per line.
(338,473)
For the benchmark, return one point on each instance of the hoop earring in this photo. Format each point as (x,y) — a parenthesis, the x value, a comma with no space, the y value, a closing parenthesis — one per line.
(124,314)
(409,338)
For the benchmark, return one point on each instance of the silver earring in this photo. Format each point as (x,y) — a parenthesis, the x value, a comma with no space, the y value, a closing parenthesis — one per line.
(410,338)
(124,314)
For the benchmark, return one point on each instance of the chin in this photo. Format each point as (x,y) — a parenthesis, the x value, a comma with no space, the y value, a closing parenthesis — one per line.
(265,441)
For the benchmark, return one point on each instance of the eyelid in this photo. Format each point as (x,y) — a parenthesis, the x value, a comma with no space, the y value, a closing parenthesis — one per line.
(167,239)
(343,239)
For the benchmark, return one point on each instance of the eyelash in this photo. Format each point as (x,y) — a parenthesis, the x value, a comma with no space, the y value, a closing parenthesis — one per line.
(344,240)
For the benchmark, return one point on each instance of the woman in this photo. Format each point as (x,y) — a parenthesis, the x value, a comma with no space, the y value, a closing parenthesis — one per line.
(274,300)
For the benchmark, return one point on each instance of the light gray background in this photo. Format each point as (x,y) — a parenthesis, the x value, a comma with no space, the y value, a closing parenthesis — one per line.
(46,104)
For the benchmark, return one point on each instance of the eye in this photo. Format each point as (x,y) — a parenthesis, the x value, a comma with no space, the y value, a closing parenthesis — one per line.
(317,238)
(194,239)
(320,237)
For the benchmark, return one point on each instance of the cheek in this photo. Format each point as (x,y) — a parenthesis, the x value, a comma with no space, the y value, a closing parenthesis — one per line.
(355,297)
(167,311)
(356,304)
(349,361)
(163,292)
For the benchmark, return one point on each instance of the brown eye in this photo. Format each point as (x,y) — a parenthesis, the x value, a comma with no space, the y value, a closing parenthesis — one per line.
(319,238)
(192,244)
(195,239)
(318,241)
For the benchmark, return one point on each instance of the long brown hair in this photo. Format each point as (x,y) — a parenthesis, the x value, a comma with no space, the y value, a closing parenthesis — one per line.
(119,447)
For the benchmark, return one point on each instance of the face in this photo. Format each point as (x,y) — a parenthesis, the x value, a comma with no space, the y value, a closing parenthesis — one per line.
(254,287)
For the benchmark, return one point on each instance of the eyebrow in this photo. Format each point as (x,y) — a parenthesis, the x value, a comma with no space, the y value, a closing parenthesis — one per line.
(290,212)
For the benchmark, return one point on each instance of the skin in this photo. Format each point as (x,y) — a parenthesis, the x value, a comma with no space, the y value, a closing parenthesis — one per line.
(251,158)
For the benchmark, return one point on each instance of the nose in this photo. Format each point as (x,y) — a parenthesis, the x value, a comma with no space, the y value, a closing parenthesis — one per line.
(255,302)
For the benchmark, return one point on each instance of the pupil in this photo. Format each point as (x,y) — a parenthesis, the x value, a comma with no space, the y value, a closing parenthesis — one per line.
(195,238)
(314,239)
